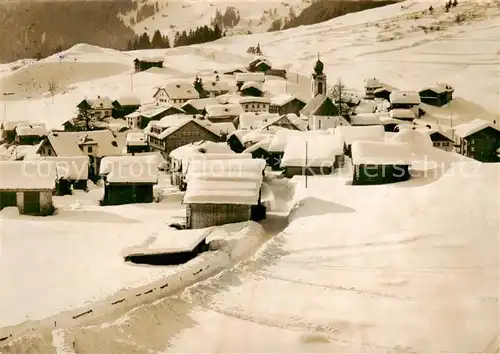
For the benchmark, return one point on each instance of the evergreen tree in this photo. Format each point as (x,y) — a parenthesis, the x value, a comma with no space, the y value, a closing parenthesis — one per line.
(455,3)
(157,41)
(166,42)
(198,86)
(144,42)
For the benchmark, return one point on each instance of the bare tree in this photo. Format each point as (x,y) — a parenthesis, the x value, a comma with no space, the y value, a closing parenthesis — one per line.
(340,96)
(52,87)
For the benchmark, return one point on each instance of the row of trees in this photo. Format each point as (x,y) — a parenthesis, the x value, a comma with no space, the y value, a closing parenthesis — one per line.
(229,19)
(143,41)
(200,35)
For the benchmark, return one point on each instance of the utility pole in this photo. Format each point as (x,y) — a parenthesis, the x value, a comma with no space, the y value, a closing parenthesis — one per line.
(306,163)
(131,83)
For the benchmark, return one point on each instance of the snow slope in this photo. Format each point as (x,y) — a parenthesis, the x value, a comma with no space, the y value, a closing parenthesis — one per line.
(182,15)
(353,47)
(408,267)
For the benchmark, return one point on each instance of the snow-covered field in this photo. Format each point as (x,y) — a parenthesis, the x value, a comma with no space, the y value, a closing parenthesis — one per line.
(409,267)
(397,268)
(353,47)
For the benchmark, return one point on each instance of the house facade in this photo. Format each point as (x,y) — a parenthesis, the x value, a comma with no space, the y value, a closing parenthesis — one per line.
(285,104)
(242,78)
(30,134)
(255,104)
(437,95)
(322,114)
(223,113)
(405,100)
(141,118)
(479,140)
(175,93)
(124,106)
(101,107)
(167,138)
(440,141)
(371,84)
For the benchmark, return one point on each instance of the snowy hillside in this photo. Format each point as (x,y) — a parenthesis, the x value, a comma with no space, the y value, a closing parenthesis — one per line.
(353,47)
(186,14)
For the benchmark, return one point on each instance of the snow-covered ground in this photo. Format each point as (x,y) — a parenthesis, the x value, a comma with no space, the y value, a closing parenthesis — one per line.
(408,267)
(353,47)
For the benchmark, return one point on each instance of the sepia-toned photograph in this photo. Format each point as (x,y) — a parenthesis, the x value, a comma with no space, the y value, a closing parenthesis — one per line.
(217,176)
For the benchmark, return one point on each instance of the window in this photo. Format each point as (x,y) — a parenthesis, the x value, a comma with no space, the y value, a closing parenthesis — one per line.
(89,149)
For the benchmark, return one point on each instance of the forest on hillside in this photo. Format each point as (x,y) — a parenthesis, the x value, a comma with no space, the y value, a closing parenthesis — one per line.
(36,29)
(324,10)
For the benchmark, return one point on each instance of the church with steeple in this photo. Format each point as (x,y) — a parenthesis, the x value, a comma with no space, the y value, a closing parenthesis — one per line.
(318,79)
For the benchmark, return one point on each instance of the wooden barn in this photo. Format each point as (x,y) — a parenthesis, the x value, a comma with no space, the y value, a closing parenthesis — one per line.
(384,92)
(28,185)
(141,118)
(380,162)
(197,106)
(180,157)
(124,106)
(260,150)
(276,72)
(349,134)
(277,146)
(406,100)
(479,139)
(223,113)
(242,78)
(128,179)
(286,103)
(312,154)
(171,247)
(142,64)
(30,134)
(235,141)
(251,88)
(223,192)
(136,142)
(437,95)
(259,64)
(8,130)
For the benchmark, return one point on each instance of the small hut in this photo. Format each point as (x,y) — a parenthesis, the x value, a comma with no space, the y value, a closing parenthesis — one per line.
(28,185)
(223,191)
(312,154)
(128,179)
(380,162)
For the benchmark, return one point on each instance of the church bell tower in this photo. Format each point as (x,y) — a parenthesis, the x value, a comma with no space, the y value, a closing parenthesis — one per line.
(318,79)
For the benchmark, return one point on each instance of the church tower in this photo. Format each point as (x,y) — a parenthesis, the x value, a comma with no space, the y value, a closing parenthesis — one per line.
(318,80)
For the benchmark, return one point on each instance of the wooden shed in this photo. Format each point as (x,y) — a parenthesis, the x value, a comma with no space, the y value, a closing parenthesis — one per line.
(28,185)
(479,139)
(128,179)
(223,191)
(380,162)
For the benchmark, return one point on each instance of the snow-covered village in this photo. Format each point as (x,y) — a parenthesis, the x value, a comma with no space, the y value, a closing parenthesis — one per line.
(275,187)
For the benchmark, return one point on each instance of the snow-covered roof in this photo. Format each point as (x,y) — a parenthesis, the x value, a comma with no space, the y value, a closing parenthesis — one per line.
(402,113)
(68,167)
(209,164)
(219,127)
(200,103)
(466,129)
(179,90)
(101,103)
(68,143)
(254,136)
(12,124)
(283,98)
(136,139)
(273,122)
(224,181)
(33,129)
(380,153)
(417,140)
(260,59)
(224,110)
(27,175)
(439,87)
(255,77)
(373,83)
(385,87)
(216,86)
(263,144)
(313,105)
(129,169)
(252,120)
(405,97)
(150,59)
(367,133)
(251,84)
(152,112)
(306,150)
(365,119)
(280,138)
(129,101)
(170,241)
(200,147)
(252,99)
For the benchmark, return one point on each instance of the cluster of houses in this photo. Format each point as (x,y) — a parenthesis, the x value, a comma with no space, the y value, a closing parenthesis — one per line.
(217,148)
